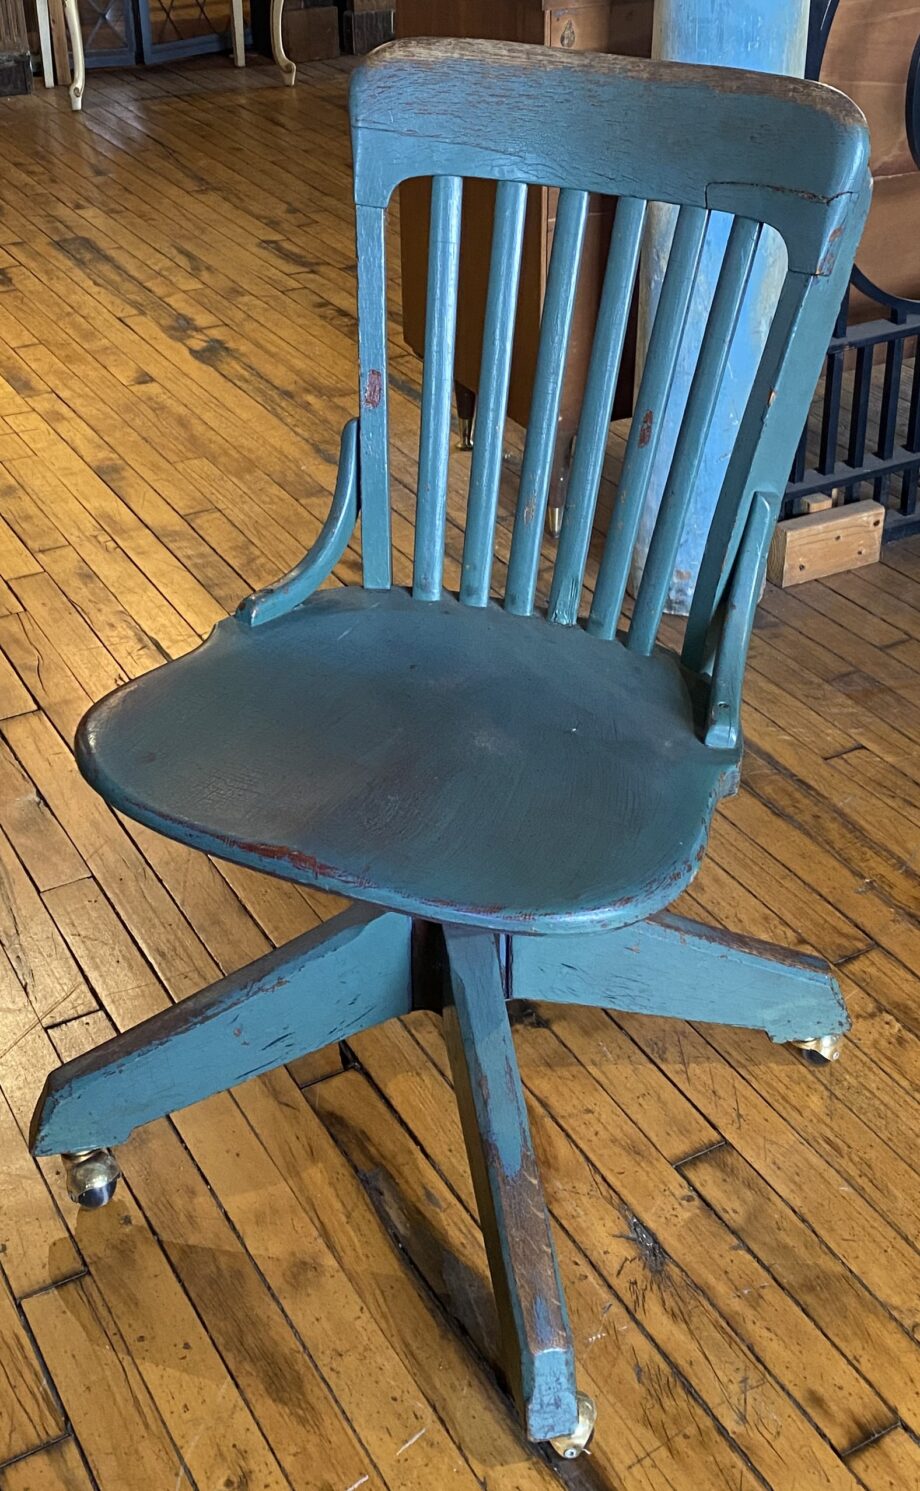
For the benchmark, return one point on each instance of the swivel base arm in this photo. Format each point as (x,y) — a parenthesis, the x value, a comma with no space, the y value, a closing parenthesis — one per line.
(367,966)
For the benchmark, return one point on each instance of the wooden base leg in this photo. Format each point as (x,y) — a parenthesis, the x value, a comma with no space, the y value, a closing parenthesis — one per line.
(668,965)
(342,977)
(537,1349)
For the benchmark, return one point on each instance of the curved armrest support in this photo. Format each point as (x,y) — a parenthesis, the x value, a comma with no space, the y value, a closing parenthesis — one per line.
(723,724)
(318,563)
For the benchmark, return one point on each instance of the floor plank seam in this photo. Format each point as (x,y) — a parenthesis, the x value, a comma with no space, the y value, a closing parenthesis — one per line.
(80,1273)
(804,1221)
(907,1237)
(786,817)
(595,1268)
(38,1449)
(699,1154)
(43,1367)
(871,1439)
(154,1405)
(860,952)
(847,751)
(767,1269)
(270,1292)
(713,1304)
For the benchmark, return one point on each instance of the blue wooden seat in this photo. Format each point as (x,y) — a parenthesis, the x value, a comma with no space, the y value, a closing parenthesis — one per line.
(393,753)
(479,775)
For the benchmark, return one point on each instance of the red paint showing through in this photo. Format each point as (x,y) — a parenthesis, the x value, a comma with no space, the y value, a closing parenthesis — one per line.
(645,429)
(373,389)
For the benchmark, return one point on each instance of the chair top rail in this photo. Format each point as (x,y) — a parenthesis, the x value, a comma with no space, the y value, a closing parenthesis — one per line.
(668,132)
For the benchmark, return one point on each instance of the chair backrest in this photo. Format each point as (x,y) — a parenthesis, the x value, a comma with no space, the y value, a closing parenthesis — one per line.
(768,151)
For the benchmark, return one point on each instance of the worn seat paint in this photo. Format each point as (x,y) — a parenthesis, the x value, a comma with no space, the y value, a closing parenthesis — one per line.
(393,753)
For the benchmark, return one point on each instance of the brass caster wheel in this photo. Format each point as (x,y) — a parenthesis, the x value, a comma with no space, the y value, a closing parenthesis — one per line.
(554,521)
(465,443)
(92,1175)
(821,1051)
(570,1446)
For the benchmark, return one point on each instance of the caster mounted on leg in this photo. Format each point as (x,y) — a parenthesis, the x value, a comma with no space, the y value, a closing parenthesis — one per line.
(821,1051)
(92,1175)
(570,1446)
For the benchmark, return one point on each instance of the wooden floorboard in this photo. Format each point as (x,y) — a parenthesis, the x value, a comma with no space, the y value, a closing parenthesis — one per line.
(290,1290)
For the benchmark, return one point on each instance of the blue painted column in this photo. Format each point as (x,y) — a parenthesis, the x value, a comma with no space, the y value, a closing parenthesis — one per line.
(766,36)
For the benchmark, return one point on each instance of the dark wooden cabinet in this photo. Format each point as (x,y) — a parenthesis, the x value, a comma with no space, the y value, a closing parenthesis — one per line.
(15,64)
(869,52)
(622,26)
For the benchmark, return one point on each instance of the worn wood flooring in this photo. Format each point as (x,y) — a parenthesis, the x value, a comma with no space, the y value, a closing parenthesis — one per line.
(289,1293)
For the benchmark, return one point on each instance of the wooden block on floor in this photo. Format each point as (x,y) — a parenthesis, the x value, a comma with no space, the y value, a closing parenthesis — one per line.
(818,502)
(824,543)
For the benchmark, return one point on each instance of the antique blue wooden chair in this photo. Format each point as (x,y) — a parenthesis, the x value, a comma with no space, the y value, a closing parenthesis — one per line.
(511,799)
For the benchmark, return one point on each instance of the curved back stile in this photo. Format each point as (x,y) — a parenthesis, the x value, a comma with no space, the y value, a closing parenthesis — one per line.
(704,140)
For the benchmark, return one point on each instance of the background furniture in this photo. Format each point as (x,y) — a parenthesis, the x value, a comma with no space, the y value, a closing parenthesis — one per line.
(75,35)
(161,30)
(620,26)
(115,34)
(15,64)
(71,15)
(864,436)
(485,778)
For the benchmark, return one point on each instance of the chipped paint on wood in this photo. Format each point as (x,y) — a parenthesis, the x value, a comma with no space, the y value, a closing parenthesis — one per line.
(372,389)
(536,1339)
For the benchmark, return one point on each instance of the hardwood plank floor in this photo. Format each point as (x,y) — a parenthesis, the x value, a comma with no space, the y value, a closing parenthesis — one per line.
(290,1290)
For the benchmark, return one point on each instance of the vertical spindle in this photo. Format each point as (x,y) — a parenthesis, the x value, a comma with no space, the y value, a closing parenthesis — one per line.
(701,402)
(495,371)
(645,430)
(437,386)
(593,426)
(373,424)
(555,328)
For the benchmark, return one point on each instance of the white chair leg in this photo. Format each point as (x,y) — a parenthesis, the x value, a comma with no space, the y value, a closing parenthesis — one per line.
(44,39)
(72,17)
(288,69)
(237,29)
